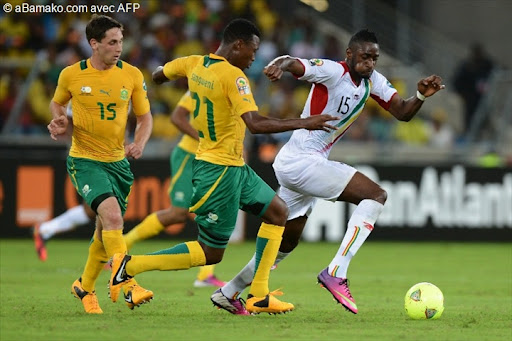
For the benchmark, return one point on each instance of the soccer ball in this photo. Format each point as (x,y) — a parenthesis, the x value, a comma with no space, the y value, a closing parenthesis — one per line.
(424,301)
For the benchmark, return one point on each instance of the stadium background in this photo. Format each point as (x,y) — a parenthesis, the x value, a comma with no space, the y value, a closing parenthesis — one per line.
(426,174)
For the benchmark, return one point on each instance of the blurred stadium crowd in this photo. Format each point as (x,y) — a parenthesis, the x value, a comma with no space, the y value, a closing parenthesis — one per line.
(162,30)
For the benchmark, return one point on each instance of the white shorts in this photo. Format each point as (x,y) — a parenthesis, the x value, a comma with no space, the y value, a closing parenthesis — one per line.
(307,177)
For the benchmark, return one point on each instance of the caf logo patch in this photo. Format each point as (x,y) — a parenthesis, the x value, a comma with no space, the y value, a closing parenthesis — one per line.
(317,62)
(243,86)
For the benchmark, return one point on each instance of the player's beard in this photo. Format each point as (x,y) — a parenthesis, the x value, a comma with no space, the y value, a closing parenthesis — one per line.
(366,76)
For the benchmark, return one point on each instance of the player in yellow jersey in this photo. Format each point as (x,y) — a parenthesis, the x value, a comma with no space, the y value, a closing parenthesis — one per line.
(101,89)
(222,182)
(180,190)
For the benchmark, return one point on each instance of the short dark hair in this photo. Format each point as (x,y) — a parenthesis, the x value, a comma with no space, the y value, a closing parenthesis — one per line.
(363,36)
(98,25)
(240,29)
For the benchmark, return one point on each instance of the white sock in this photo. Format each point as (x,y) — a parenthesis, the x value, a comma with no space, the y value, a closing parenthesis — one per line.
(66,221)
(359,227)
(243,279)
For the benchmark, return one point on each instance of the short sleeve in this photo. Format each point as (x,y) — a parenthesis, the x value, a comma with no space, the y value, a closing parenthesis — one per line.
(323,71)
(178,67)
(140,100)
(240,94)
(382,90)
(62,94)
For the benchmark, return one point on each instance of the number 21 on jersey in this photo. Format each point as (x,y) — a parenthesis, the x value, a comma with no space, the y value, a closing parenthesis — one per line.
(209,115)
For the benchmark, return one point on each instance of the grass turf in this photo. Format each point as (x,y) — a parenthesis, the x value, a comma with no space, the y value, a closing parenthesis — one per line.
(476,279)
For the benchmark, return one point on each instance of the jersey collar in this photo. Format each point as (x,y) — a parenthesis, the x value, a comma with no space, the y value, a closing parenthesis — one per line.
(214,56)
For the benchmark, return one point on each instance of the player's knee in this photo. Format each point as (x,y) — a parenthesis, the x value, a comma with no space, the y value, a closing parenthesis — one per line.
(111,220)
(213,258)
(173,215)
(281,211)
(212,255)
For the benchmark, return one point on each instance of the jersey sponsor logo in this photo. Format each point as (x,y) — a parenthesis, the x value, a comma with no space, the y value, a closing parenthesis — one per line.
(243,86)
(316,62)
(86,90)
(144,86)
(124,94)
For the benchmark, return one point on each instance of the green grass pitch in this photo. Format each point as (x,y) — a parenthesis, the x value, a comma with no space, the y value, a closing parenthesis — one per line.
(476,279)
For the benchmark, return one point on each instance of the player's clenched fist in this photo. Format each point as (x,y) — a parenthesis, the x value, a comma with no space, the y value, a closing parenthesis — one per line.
(133,150)
(58,126)
(273,72)
(430,85)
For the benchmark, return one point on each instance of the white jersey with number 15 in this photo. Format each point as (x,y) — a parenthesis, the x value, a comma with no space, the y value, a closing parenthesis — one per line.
(333,92)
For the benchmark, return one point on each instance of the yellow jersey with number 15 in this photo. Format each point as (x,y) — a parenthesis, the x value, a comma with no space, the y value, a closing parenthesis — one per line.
(221,94)
(100,107)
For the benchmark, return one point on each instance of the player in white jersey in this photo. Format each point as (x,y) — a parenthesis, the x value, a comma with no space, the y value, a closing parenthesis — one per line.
(305,174)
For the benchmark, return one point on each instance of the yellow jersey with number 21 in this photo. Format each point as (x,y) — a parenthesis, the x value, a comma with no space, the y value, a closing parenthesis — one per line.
(221,94)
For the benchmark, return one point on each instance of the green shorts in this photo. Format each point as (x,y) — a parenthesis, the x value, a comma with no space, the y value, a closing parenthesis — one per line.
(96,181)
(219,192)
(180,189)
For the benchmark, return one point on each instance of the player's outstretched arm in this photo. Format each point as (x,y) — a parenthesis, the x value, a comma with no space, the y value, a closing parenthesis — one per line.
(275,69)
(258,124)
(404,110)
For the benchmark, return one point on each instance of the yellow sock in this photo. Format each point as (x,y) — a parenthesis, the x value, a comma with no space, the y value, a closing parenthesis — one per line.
(267,245)
(95,261)
(205,272)
(180,257)
(148,228)
(114,242)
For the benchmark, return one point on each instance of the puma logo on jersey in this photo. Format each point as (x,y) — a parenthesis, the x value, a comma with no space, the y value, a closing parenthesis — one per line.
(105,92)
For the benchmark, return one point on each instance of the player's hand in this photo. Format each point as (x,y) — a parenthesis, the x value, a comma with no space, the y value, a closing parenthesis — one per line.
(273,72)
(58,127)
(430,85)
(319,122)
(133,150)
